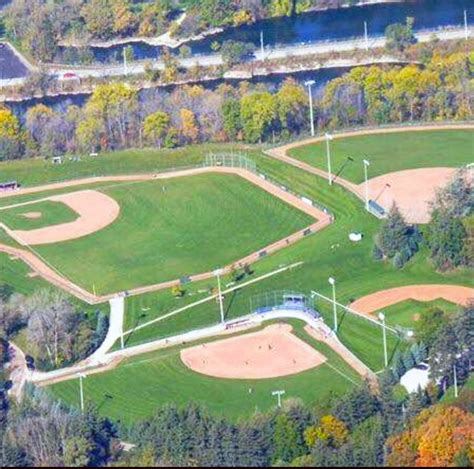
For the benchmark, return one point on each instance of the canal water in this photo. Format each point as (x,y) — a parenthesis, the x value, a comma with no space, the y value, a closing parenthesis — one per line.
(272,82)
(329,25)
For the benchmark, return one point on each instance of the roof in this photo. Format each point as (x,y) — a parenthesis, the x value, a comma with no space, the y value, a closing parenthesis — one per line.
(415,378)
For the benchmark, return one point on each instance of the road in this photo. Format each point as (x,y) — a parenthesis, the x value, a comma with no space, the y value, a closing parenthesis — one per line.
(319,48)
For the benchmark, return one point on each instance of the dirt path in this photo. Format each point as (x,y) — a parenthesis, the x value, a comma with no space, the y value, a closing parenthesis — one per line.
(412,198)
(49,273)
(18,371)
(369,304)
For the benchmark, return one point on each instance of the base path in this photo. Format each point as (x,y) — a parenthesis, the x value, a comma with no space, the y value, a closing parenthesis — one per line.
(382,299)
(42,268)
(269,353)
(412,190)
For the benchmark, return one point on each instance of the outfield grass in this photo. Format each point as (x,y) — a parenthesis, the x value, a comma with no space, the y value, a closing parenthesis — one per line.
(406,313)
(175,228)
(391,152)
(52,213)
(139,385)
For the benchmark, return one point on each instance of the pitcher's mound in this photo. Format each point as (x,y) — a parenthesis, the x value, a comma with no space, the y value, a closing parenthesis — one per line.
(269,353)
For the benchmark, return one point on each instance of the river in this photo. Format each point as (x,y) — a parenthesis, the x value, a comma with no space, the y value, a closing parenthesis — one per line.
(335,24)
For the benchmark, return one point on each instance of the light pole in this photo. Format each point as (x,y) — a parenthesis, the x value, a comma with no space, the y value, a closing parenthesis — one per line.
(366,36)
(124,56)
(278,394)
(466,30)
(384,332)
(366,166)
(81,376)
(262,50)
(218,274)
(455,381)
(309,84)
(328,137)
(332,281)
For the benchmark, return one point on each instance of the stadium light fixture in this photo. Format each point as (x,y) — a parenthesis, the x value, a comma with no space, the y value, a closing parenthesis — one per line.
(309,84)
(278,394)
(384,332)
(81,376)
(332,281)
(217,273)
(328,137)
(366,177)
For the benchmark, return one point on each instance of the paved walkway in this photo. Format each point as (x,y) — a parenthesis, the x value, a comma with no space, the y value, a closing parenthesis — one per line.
(112,359)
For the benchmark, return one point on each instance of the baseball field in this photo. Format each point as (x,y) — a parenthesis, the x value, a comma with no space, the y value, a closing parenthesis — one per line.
(168,229)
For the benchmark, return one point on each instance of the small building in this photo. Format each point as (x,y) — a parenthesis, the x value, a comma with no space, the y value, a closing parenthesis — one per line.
(416,378)
(9,186)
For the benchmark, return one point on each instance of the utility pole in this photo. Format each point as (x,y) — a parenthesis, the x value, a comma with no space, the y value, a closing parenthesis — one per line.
(366,166)
(278,394)
(384,332)
(455,381)
(262,49)
(328,154)
(466,30)
(332,281)
(309,84)
(366,36)
(124,56)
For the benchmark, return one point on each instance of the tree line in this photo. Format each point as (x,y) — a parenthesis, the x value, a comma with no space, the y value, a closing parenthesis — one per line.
(117,116)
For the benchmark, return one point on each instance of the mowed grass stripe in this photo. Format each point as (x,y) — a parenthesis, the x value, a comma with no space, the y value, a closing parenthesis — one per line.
(172,228)
(390,152)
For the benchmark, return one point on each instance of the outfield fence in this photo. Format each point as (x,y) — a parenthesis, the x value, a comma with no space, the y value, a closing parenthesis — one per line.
(232,160)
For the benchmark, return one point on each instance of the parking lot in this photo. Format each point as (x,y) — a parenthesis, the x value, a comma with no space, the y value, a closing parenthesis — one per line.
(10,65)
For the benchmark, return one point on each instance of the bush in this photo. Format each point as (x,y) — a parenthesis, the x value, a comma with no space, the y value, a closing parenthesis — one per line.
(398,261)
(377,253)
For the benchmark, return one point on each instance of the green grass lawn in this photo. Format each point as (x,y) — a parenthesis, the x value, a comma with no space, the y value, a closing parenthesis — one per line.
(140,384)
(406,313)
(174,228)
(327,253)
(391,152)
(52,213)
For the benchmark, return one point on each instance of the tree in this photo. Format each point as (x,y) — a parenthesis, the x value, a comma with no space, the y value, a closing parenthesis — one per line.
(232,119)
(189,127)
(400,36)
(99,18)
(234,52)
(330,430)
(285,440)
(396,239)
(258,112)
(9,124)
(292,106)
(155,127)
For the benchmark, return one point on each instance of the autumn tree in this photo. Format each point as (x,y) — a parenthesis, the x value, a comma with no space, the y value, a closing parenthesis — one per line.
(258,112)
(155,127)
(189,127)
